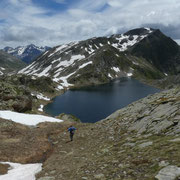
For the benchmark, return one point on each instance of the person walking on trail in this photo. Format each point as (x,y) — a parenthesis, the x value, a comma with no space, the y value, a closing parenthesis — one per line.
(71,130)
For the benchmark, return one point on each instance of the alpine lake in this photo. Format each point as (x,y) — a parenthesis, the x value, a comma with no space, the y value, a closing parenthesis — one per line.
(91,104)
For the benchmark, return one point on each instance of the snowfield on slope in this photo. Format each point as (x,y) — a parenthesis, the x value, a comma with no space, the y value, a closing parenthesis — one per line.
(27,119)
(21,171)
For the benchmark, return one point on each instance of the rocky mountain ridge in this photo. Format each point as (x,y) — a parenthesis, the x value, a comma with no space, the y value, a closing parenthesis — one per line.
(99,60)
(26,53)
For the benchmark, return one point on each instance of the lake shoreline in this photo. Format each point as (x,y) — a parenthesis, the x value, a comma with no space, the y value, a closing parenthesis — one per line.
(129,81)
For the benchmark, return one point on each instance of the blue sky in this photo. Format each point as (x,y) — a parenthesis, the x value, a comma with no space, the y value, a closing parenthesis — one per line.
(54,22)
(54,6)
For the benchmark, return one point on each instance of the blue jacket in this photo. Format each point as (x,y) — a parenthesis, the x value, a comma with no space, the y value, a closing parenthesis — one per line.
(71,129)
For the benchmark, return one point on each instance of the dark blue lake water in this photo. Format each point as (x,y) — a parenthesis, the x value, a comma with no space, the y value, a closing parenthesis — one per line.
(92,104)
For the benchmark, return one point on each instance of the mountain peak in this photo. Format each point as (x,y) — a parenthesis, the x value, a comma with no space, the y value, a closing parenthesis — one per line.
(140,31)
(27,53)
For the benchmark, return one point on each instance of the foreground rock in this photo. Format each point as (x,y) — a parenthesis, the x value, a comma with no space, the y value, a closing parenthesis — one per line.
(22,93)
(168,173)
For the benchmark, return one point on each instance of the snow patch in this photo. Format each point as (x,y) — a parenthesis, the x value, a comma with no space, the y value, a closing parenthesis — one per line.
(21,50)
(64,79)
(41,96)
(41,108)
(129,74)
(82,66)
(123,46)
(44,72)
(116,69)
(135,63)
(62,47)
(27,119)
(2,68)
(67,63)
(21,171)
(101,44)
(109,75)
(60,87)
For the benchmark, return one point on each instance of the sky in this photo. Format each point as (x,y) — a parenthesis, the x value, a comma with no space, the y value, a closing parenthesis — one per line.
(55,22)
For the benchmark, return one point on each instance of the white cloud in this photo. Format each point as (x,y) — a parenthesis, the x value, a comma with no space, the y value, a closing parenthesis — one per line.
(24,22)
(178,41)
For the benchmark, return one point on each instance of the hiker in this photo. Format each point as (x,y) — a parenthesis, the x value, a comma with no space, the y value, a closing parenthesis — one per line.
(71,130)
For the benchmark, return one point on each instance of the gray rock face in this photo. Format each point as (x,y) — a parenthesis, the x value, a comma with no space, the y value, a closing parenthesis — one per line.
(168,173)
(157,113)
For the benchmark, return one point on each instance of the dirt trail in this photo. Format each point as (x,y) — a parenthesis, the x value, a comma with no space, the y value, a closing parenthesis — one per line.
(69,157)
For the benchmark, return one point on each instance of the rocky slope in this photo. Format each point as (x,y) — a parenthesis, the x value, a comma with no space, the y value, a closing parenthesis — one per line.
(9,63)
(26,53)
(140,141)
(143,53)
(22,93)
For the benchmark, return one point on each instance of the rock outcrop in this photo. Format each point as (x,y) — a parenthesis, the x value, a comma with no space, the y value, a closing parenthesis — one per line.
(155,114)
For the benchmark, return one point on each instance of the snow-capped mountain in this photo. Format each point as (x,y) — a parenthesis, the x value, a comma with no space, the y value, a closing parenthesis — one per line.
(26,53)
(99,60)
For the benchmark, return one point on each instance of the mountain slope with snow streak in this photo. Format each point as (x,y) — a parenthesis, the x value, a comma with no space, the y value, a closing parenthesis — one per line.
(97,60)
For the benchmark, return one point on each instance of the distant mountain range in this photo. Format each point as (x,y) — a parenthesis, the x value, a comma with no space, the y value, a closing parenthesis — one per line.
(142,53)
(26,53)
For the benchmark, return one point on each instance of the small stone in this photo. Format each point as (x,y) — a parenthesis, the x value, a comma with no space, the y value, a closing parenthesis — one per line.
(143,145)
(121,166)
(99,176)
(52,172)
(55,142)
(129,144)
(63,152)
(115,161)
(163,164)
(175,140)
(105,150)
(168,173)
(47,178)
(84,178)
